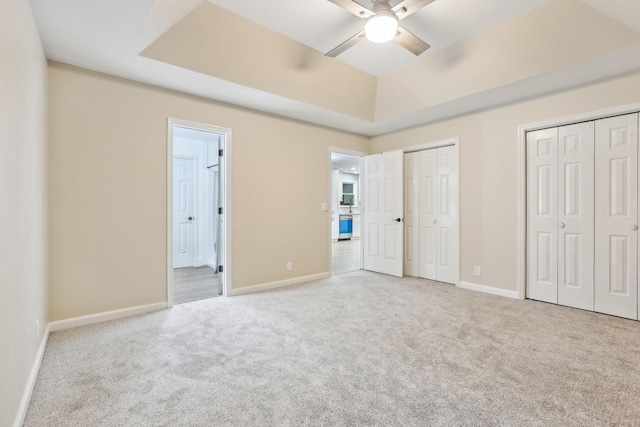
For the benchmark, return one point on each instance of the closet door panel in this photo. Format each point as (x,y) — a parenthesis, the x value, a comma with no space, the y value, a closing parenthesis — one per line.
(542,215)
(447,227)
(411,215)
(428,214)
(616,216)
(576,215)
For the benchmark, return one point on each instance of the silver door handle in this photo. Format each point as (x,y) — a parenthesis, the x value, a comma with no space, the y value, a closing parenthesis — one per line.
(562,225)
(634,227)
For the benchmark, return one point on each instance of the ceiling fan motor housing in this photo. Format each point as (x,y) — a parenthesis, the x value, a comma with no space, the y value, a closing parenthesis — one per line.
(383,25)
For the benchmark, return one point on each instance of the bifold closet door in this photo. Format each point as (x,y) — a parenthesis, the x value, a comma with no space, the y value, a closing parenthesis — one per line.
(542,215)
(576,215)
(616,216)
(411,215)
(447,225)
(428,201)
(438,171)
(560,197)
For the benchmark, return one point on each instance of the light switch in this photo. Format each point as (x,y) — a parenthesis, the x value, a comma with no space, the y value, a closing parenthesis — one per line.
(324,206)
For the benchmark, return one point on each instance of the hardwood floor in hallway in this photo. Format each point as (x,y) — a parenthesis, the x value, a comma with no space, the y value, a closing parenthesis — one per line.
(194,283)
(345,256)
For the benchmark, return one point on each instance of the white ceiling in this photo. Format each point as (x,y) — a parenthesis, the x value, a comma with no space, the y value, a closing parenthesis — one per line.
(108,35)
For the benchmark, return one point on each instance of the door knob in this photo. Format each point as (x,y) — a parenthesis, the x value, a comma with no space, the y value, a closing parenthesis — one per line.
(435,221)
(634,227)
(562,225)
(190,218)
(397,219)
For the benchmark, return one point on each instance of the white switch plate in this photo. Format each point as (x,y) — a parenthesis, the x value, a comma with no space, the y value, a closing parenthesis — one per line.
(476,271)
(324,206)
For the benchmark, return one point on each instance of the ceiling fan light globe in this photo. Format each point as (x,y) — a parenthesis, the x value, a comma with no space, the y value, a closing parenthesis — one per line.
(381,28)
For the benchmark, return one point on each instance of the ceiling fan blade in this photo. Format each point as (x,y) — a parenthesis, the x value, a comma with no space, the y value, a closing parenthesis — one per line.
(353,7)
(345,45)
(409,7)
(410,42)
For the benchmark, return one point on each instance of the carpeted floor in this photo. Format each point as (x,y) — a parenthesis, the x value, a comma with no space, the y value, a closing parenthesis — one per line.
(353,349)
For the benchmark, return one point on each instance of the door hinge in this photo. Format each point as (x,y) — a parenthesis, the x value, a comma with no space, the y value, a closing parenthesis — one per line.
(220,211)
(220,269)
(220,152)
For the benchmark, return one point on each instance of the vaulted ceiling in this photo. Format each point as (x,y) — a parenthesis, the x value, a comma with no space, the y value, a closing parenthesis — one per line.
(269,55)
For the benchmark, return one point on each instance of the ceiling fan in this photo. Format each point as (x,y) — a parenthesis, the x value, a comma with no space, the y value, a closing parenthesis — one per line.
(382,24)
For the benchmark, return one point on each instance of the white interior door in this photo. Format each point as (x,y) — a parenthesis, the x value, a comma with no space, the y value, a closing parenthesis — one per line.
(183,212)
(411,215)
(447,207)
(575,215)
(428,214)
(616,214)
(542,215)
(383,206)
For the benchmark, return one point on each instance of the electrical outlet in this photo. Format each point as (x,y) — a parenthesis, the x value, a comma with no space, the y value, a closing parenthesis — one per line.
(289,266)
(476,271)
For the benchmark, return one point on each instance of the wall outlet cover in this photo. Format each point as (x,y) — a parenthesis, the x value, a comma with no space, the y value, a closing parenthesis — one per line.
(476,271)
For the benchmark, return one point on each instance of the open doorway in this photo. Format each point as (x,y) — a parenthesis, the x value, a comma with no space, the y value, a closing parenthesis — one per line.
(196,212)
(346,217)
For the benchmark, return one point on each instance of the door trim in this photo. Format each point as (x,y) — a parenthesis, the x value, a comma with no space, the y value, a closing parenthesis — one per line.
(225,176)
(522,176)
(435,144)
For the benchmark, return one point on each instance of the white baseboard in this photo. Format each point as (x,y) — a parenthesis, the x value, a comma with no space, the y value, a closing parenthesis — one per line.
(278,284)
(31,381)
(107,315)
(488,290)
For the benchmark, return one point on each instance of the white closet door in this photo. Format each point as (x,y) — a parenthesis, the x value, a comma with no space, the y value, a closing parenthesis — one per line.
(542,215)
(616,213)
(383,208)
(428,214)
(575,215)
(411,215)
(447,207)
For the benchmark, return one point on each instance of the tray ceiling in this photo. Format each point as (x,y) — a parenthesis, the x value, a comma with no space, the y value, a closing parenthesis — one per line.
(269,55)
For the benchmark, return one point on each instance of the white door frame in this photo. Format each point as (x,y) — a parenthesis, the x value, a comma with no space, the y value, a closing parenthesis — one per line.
(351,153)
(225,177)
(522,175)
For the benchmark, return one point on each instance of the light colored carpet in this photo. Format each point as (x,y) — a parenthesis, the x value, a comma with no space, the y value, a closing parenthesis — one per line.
(353,349)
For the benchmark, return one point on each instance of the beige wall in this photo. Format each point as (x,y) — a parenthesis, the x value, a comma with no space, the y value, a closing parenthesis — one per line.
(23,271)
(488,169)
(108,191)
